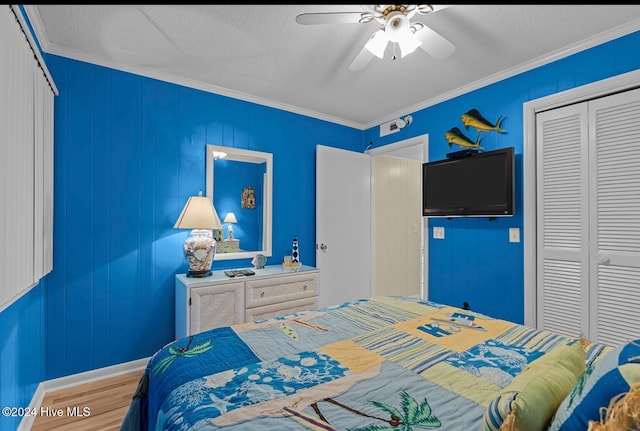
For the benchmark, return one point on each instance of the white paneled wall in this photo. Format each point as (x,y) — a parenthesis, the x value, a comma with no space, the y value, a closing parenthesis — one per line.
(397,217)
(26,160)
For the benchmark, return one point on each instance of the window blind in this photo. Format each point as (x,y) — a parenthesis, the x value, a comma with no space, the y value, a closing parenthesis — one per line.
(26,160)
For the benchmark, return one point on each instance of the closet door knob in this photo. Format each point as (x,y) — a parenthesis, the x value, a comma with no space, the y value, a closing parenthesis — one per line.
(604,261)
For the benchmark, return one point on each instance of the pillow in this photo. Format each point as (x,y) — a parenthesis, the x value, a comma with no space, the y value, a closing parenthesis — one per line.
(613,374)
(529,402)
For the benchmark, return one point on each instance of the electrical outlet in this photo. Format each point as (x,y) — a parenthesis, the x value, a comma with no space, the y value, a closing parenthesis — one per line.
(438,232)
(514,234)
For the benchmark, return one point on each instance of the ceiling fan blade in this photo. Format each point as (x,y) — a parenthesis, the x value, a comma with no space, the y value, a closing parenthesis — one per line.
(362,59)
(433,43)
(329,18)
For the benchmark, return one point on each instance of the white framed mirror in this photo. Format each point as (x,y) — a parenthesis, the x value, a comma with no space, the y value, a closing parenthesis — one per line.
(239,183)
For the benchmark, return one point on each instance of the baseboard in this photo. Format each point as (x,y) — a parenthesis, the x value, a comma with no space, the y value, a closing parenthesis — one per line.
(74,380)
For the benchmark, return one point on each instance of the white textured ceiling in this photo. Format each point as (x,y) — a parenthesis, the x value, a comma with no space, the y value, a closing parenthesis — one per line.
(260,54)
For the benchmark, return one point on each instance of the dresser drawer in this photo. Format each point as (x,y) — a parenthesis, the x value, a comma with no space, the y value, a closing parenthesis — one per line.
(274,290)
(280,309)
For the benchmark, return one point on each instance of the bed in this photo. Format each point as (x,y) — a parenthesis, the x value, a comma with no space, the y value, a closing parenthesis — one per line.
(383,363)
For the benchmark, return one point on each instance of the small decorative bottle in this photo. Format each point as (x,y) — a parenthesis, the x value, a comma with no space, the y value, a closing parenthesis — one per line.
(295,257)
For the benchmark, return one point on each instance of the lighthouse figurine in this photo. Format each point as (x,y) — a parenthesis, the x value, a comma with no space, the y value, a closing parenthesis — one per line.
(295,256)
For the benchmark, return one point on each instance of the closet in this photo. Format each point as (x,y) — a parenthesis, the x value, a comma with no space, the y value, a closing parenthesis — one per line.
(588,218)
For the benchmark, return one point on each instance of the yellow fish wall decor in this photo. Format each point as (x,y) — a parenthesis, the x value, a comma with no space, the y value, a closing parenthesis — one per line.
(455,136)
(473,118)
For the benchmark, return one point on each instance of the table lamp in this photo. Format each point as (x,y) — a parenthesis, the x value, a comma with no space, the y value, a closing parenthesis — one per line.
(200,247)
(230,218)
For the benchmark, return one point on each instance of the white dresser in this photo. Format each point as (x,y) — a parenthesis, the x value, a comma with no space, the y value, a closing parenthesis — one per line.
(219,300)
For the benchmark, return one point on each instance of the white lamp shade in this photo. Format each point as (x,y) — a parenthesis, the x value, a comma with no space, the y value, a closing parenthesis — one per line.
(377,43)
(230,218)
(198,213)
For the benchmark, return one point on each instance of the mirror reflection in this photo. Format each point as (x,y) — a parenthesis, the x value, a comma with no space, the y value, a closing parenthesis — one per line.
(239,183)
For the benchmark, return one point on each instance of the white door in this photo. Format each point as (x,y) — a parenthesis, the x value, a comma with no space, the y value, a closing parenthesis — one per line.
(343,225)
(614,186)
(563,218)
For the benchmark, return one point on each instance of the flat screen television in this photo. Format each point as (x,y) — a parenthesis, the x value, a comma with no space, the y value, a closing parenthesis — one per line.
(480,184)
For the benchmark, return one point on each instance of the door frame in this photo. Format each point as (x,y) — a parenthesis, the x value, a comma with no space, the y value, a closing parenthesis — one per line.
(622,82)
(416,148)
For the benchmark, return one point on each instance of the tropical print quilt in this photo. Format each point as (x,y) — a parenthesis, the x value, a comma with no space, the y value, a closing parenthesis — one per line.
(384,363)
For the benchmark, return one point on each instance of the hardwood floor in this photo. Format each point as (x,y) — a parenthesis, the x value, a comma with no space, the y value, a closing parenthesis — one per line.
(99,405)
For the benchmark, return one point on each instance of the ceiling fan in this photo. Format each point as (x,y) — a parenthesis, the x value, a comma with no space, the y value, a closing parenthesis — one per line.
(395,26)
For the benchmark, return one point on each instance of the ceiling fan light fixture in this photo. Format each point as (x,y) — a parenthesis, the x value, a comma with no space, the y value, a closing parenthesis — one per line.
(394,25)
(399,31)
(377,43)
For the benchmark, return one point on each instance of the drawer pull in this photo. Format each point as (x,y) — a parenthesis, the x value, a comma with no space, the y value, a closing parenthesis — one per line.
(304,287)
(262,294)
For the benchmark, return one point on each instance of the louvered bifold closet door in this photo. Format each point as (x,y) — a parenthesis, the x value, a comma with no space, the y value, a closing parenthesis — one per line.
(562,220)
(614,141)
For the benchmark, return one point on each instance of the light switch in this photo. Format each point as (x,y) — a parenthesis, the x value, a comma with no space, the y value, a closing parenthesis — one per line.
(514,234)
(438,232)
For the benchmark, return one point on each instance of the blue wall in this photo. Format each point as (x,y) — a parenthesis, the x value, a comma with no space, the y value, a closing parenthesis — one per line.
(130,151)
(22,352)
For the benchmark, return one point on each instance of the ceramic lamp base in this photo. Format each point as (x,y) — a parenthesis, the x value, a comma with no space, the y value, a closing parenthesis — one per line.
(199,250)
